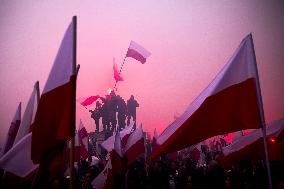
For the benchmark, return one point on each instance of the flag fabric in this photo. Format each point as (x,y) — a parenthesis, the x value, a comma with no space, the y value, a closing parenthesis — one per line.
(125,133)
(89,100)
(113,168)
(116,75)
(251,145)
(55,118)
(83,140)
(29,115)
(135,145)
(81,144)
(18,159)
(100,181)
(229,103)
(137,52)
(13,130)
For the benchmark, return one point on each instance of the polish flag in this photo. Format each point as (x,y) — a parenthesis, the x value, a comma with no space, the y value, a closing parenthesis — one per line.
(81,144)
(116,75)
(83,141)
(13,130)
(251,145)
(114,167)
(125,133)
(135,145)
(137,52)
(29,114)
(18,159)
(55,118)
(89,100)
(228,104)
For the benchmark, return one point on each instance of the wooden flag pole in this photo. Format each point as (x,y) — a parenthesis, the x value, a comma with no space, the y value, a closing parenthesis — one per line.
(120,71)
(262,118)
(37,91)
(75,70)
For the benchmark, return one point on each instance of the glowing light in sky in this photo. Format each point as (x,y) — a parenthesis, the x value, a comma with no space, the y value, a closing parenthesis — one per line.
(109,90)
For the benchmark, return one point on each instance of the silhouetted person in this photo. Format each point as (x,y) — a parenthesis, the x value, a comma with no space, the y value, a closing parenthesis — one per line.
(112,110)
(132,104)
(96,114)
(105,113)
(122,112)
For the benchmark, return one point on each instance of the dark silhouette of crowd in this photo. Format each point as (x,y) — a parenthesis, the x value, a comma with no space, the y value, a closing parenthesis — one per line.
(184,172)
(166,172)
(114,111)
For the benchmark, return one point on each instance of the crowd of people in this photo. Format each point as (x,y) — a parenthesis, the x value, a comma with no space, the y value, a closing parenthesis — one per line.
(185,172)
(113,112)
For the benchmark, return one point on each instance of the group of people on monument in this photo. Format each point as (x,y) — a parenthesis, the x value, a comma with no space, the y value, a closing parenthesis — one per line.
(113,112)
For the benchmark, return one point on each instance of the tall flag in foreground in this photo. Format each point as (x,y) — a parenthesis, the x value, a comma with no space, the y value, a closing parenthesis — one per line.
(55,118)
(137,52)
(13,130)
(29,114)
(116,75)
(135,145)
(89,100)
(113,168)
(251,145)
(18,159)
(229,103)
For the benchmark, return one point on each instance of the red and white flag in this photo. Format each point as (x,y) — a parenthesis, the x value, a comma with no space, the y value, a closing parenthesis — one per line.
(55,118)
(89,100)
(83,140)
(251,145)
(13,130)
(113,167)
(125,133)
(137,52)
(229,103)
(29,115)
(135,145)
(18,159)
(81,144)
(116,75)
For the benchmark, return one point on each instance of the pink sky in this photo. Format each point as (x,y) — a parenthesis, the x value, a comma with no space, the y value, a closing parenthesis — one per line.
(190,41)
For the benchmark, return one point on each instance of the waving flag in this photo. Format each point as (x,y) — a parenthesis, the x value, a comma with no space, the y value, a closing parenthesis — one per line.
(125,133)
(13,130)
(29,114)
(137,52)
(116,75)
(135,145)
(228,104)
(83,139)
(114,167)
(89,100)
(249,146)
(55,118)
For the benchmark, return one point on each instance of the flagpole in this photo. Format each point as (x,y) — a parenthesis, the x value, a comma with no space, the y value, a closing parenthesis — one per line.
(37,91)
(120,70)
(74,73)
(262,118)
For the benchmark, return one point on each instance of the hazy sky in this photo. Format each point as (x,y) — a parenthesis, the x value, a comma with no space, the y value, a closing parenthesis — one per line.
(190,41)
